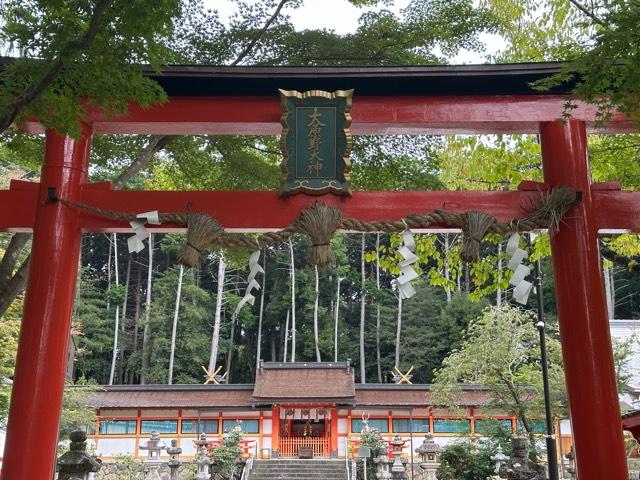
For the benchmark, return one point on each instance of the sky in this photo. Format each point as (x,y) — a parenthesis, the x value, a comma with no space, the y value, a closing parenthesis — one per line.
(342,17)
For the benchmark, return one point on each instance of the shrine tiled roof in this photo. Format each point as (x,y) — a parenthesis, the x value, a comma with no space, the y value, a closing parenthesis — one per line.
(173,396)
(229,397)
(392,395)
(304,382)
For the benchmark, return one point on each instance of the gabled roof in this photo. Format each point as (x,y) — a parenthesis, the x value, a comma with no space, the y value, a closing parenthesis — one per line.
(304,382)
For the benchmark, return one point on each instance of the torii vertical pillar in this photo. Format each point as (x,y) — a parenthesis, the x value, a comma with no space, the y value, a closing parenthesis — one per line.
(582,312)
(36,399)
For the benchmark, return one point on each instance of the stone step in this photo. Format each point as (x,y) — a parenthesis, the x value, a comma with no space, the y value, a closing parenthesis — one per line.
(302,476)
(298,469)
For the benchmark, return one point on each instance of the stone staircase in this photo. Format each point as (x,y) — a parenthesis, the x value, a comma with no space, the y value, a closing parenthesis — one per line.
(295,469)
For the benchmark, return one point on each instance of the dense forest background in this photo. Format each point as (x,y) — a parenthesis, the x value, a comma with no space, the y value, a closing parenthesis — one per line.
(141,291)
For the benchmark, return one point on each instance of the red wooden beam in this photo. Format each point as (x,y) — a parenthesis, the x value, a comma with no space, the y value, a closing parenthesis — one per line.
(371,115)
(617,211)
(260,210)
(614,210)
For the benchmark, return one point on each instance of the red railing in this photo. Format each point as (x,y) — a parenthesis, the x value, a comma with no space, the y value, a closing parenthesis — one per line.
(289,446)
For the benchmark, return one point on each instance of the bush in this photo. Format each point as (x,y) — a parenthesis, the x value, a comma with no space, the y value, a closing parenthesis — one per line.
(226,455)
(129,468)
(462,460)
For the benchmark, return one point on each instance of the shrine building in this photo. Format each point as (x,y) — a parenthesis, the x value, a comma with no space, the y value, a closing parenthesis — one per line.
(291,405)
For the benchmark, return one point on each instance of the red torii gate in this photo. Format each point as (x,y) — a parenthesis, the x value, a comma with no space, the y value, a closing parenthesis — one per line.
(217,100)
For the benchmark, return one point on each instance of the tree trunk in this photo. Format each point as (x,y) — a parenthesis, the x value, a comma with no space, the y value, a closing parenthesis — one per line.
(14,287)
(147,317)
(125,301)
(231,346)
(10,257)
(272,342)
(175,325)
(447,274)
(156,143)
(136,319)
(335,328)
(378,364)
(608,290)
(315,316)
(215,336)
(71,354)
(467,280)
(613,291)
(398,331)
(116,327)
(363,299)
(293,303)
(260,314)
(286,338)
(109,271)
(123,321)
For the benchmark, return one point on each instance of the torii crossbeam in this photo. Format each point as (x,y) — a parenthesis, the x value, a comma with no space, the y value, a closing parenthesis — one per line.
(210,100)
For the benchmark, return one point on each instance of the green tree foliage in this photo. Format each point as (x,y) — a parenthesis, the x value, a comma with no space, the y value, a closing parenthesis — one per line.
(606,68)
(80,53)
(77,411)
(9,329)
(225,456)
(500,350)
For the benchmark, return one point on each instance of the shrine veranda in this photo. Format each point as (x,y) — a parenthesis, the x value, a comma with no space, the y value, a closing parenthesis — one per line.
(386,101)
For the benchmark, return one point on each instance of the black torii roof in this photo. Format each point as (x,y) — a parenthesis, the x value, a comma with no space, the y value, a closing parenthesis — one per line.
(501,79)
(485,79)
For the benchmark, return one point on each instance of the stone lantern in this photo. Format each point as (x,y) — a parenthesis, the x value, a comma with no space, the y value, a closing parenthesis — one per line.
(174,462)
(382,464)
(203,461)
(154,447)
(429,453)
(499,459)
(77,463)
(397,443)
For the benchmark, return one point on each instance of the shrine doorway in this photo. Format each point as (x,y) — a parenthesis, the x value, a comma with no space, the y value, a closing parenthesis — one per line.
(308,437)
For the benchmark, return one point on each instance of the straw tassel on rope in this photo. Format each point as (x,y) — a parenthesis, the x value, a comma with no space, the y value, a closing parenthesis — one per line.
(320,222)
(474,228)
(202,230)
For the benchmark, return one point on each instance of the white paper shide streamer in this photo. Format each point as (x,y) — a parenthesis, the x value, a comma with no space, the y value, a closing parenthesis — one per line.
(521,287)
(136,242)
(254,269)
(407,273)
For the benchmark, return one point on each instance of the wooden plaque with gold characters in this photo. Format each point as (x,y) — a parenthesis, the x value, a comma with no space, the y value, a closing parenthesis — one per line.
(316,142)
